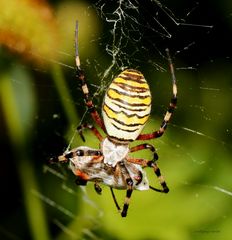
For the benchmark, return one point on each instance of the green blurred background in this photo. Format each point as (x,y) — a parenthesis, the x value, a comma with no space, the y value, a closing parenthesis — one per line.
(41,105)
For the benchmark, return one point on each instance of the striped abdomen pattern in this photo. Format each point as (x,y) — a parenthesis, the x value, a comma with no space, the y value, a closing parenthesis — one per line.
(126,106)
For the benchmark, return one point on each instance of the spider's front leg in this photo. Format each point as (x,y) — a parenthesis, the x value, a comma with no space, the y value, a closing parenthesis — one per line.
(81,77)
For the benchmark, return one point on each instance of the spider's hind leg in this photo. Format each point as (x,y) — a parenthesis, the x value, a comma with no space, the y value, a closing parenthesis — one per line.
(151,164)
(129,190)
(163,183)
(129,182)
(145,146)
(128,196)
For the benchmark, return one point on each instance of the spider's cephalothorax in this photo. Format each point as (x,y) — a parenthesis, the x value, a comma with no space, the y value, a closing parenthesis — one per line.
(126,109)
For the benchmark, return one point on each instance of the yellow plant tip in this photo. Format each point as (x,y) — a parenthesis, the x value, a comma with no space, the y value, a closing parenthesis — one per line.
(28,28)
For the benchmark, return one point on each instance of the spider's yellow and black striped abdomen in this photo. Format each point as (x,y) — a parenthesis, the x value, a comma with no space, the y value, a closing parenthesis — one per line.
(126,106)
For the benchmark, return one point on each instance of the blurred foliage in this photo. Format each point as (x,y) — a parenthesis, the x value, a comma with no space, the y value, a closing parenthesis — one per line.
(41,105)
(28,27)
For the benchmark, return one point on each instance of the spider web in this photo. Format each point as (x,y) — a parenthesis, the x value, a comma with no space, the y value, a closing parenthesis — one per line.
(195,151)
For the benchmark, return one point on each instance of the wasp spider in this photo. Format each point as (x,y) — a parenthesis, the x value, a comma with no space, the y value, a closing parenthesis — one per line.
(126,109)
